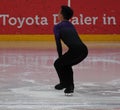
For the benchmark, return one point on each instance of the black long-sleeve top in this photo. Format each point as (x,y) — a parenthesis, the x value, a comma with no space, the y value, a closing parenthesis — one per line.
(66,32)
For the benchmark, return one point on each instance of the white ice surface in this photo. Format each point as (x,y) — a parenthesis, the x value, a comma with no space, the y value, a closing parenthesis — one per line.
(27,82)
(87,96)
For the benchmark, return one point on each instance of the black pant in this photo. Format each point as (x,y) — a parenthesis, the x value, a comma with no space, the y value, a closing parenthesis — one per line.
(63,65)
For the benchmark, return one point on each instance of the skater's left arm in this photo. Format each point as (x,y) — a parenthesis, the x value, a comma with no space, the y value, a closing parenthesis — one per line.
(58,41)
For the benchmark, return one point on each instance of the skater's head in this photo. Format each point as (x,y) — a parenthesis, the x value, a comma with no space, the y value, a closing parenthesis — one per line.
(65,13)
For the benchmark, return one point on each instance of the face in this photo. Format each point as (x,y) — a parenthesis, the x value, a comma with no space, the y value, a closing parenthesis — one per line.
(60,17)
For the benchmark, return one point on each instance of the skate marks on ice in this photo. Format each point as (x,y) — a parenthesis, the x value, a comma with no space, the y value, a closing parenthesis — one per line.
(23,86)
(111,89)
(87,96)
(101,94)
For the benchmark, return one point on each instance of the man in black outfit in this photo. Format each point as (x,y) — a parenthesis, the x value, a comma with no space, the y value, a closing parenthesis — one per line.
(77,50)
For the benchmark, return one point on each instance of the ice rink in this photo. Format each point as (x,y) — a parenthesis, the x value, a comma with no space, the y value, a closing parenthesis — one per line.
(27,79)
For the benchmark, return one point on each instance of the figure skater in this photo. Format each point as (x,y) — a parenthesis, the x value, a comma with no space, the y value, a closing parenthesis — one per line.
(77,51)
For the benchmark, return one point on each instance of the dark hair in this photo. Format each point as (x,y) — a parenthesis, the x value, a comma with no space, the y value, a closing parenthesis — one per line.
(67,12)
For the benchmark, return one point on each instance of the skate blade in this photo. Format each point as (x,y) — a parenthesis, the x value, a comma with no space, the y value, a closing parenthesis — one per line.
(68,94)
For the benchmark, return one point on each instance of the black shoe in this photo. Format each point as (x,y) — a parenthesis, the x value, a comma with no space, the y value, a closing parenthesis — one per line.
(59,86)
(69,89)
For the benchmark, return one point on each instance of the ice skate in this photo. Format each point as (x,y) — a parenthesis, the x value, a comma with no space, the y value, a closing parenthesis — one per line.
(59,86)
(69,91)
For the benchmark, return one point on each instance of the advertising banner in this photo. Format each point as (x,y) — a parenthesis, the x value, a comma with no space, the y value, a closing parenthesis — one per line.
(39,16)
